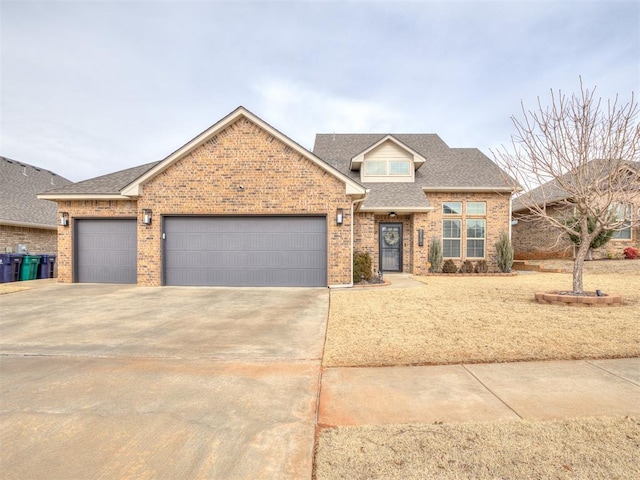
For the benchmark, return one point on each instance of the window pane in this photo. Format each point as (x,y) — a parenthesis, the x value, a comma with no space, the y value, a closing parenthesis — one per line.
(475,248)
(476,208)
(399,168)
(475,228)
(452,208)
(451,248)
(451,228)
(623,234)
(375,167)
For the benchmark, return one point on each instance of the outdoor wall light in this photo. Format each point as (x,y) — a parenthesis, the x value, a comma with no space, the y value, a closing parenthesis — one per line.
(421,237)
(392,214)
(64,219)
(339,216)
(146,216)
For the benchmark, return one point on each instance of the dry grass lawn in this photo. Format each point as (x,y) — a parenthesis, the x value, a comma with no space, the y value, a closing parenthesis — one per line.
(578,449)
(452,320)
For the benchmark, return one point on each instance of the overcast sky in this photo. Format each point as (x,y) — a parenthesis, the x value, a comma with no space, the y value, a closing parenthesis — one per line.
(92,87)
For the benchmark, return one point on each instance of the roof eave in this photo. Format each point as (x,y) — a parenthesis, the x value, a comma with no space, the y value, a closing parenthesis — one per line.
(82,196)
(469,189)
(397,209)
(43,226)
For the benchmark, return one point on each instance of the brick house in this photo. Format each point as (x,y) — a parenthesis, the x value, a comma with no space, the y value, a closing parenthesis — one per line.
(536,239)
(24,219)
(243,205)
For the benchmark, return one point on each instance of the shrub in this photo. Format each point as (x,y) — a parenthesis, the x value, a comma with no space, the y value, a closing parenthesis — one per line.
(449,267)
(504,252)
(631,253)
(467,267)
(435,254)
(481,267)
(361,266)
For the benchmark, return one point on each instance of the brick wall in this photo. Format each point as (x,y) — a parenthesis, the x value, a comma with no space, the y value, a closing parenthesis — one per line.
(497,219)
(415,257)
(420,256)
(87,209)
(37,240)
(275,180)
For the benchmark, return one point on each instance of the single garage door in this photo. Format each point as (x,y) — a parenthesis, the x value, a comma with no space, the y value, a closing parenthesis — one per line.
(106,251)
(246,251)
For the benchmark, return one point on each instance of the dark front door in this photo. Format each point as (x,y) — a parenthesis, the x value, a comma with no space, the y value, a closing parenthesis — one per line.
(391,247)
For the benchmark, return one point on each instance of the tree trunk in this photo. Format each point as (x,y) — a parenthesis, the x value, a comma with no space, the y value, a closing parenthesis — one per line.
(578,264)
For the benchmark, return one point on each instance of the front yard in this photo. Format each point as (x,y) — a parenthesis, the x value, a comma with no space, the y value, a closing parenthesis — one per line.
(483,319)
(453,320)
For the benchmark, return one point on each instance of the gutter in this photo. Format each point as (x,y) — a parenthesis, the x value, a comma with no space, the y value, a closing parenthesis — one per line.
(42,226)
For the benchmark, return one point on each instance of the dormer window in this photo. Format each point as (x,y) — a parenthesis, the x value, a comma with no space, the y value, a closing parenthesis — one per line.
(390,166)
(387,160)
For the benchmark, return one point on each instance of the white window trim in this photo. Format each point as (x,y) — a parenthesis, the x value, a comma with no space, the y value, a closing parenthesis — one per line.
(459,239)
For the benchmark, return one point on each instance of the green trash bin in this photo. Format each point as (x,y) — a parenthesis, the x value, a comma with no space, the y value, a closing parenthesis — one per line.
(29,267)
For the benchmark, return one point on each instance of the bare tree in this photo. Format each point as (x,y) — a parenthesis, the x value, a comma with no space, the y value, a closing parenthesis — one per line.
(580,153)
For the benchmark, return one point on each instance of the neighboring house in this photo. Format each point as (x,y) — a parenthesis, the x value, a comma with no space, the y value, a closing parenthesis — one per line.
(242,204)
(24,219)
(535,238)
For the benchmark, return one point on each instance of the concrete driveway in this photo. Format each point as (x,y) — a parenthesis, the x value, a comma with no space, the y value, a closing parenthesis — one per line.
(108,381)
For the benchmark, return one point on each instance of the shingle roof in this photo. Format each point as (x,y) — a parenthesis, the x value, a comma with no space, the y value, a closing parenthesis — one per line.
(553,192)
(109,184)
(445,167)
(20,185)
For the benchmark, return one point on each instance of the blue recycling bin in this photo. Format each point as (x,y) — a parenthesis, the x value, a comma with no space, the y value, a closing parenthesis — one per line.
(10,267)
(47,264)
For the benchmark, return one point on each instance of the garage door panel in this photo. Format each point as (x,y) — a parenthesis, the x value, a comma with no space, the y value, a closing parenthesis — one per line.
(106,251)
(245,251)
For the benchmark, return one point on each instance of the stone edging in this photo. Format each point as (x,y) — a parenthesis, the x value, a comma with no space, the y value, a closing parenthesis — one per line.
(553,298)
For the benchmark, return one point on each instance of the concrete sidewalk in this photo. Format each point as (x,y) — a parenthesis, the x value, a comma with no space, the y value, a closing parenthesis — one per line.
(481,392)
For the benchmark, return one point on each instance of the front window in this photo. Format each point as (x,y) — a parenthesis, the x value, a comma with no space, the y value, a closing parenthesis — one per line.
(475,238)
(476,208)
(623,214)
(452,208)
(451,238)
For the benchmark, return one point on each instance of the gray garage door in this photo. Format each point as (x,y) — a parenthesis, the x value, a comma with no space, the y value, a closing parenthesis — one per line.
(106,251)
(246,251)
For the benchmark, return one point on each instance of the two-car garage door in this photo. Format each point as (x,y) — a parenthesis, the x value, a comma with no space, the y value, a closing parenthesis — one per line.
(245,251)
(216,251)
